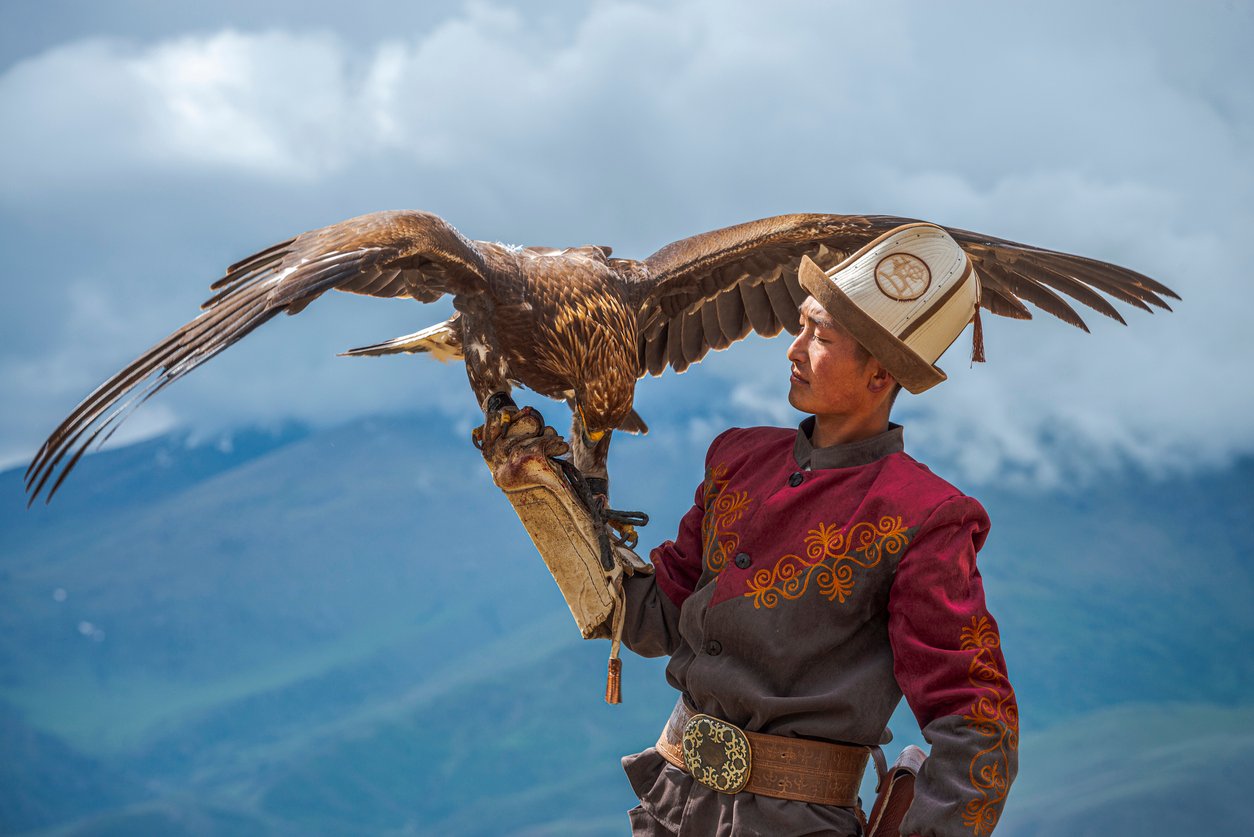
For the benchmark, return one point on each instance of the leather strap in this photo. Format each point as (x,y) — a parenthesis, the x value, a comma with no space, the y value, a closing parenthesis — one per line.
(798,769)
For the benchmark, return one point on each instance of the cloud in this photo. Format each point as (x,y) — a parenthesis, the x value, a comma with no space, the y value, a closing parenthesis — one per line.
(136,168)
(229,101)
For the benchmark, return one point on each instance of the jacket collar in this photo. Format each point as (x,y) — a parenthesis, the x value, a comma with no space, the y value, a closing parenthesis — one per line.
(848,455)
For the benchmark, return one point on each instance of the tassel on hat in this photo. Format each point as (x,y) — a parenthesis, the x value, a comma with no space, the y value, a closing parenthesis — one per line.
(977,338)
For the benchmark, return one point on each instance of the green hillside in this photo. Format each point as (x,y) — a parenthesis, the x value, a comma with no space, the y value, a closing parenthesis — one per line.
(347,632)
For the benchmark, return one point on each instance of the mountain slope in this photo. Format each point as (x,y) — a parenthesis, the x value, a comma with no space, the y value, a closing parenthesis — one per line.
(348,631)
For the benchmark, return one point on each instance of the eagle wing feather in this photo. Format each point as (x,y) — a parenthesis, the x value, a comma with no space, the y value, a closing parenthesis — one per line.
(695,295)
(384,254)
(759,261)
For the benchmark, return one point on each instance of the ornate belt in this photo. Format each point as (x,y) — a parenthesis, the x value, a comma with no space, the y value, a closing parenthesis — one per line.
(727,759)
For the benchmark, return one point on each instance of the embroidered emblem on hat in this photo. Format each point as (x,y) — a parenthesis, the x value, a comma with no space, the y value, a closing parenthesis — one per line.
(903,276)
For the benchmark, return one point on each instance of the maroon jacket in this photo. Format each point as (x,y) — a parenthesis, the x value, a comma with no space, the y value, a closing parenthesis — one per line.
(806,592)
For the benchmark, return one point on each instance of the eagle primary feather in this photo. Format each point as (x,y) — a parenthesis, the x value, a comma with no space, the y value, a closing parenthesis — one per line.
(573,324)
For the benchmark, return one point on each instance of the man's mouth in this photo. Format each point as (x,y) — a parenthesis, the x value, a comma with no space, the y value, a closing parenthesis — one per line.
(796,378)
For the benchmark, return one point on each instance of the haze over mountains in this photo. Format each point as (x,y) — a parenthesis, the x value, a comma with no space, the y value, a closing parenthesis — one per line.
(345,631)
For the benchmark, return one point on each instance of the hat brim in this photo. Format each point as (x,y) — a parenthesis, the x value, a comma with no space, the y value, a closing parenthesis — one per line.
(907,367)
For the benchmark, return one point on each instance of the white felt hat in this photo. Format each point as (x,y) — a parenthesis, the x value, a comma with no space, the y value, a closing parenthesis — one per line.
(905,297)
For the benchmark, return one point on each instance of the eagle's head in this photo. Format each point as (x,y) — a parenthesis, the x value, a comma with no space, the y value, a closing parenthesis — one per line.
(604,402)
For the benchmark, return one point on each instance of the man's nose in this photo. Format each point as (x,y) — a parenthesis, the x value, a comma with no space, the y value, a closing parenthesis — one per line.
(795,352)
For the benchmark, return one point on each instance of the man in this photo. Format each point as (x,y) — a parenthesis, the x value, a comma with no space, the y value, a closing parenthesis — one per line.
(822,573)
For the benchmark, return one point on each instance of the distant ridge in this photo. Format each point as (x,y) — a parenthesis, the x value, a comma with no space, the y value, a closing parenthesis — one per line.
(346,631)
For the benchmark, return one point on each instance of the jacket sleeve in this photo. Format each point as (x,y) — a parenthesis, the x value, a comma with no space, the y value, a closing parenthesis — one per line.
(653,601)
(948,662)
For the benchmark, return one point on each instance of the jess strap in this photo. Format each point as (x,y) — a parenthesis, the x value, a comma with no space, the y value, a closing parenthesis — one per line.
(727,759)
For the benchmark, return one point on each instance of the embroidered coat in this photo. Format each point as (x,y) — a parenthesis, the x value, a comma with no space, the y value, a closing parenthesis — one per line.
(806,592)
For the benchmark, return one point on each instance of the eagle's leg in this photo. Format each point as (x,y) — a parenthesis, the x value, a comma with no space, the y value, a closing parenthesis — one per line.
(590,457)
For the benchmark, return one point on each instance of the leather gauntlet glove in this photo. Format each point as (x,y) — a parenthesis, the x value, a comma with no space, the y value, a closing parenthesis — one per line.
(565,523)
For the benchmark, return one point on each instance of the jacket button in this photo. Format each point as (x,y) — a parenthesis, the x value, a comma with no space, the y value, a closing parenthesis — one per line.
(714,648)
(743,560)
(796,479)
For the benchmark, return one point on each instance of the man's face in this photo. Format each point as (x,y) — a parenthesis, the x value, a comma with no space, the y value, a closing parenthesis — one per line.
(830,370)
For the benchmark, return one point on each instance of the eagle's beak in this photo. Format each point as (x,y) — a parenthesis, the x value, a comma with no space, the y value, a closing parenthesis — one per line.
(592,436)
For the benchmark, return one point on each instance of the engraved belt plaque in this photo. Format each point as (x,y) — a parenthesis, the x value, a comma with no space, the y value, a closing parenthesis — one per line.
(716,754)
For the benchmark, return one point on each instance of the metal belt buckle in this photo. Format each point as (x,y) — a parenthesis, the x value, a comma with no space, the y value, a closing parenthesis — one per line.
(717,754)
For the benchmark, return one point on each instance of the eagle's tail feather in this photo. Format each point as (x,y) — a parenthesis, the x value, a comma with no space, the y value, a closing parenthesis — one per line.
(441,341)
(634,424)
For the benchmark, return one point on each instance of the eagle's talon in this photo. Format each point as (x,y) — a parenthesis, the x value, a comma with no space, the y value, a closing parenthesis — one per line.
(526,422)
(496,423)
(498,402)
(626,536)
(621,524)
(513,432)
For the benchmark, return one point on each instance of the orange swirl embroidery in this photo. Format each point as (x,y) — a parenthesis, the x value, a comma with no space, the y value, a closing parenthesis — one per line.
(831,554)
(993,715)
(722,509)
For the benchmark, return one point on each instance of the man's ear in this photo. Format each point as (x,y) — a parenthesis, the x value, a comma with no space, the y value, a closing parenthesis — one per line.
(880,380)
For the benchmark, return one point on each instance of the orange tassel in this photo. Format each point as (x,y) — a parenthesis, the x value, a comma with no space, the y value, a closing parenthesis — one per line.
(614,682)
(614,677)
(977,338)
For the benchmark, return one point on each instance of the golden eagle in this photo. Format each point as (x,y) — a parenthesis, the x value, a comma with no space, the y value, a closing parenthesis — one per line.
(573,324)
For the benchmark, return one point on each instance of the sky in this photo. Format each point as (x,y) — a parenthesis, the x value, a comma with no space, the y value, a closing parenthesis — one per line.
(148,145)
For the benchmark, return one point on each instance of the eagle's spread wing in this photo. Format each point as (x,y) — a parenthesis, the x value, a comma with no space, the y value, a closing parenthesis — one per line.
(710,290)
(384,254)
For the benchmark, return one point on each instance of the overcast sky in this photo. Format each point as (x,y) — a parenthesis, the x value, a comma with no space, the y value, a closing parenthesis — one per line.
(147,145)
